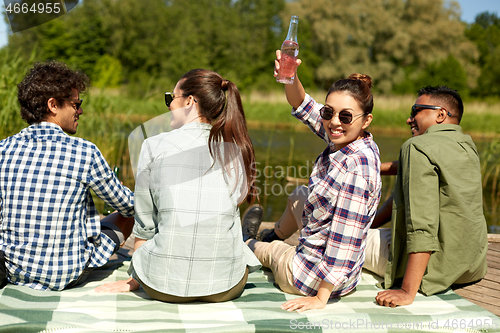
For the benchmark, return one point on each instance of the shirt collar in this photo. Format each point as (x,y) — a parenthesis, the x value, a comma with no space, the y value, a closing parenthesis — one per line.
(203,126)
(355,145)
(44,127)
(444,127)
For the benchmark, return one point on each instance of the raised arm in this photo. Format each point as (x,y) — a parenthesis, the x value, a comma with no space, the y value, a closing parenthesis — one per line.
(305,108)
(295,92)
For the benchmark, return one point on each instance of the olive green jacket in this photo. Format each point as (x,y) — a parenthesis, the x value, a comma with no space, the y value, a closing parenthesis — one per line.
(438,207)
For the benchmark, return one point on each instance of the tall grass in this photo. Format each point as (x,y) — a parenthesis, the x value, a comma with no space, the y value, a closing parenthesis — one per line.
(490,171)
(481,118)
(12,71)
(109,117)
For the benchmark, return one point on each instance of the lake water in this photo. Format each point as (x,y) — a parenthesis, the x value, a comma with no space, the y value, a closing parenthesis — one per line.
(285,153)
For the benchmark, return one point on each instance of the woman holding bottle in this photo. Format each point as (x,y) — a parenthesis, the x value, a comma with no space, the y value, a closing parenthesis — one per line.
(342,198)
(189,183)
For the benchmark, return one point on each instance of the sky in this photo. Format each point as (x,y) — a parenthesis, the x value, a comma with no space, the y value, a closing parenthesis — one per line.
(470,8)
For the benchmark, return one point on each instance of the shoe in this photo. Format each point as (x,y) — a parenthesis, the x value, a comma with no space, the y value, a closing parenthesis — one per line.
(268,235)
(263,234)
(251,220)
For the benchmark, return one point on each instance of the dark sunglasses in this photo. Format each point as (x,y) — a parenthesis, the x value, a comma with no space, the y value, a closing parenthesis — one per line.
(416,108)
(345,116)
(77,102)
(170,96)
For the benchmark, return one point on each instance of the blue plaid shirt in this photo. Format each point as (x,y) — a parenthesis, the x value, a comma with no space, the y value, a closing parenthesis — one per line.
(49,228)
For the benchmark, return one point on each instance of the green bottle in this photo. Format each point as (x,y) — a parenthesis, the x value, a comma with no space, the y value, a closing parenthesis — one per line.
(107,208)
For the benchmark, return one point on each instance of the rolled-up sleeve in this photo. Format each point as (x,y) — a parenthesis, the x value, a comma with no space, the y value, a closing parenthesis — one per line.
(422,207)
(108,187)
(308,113)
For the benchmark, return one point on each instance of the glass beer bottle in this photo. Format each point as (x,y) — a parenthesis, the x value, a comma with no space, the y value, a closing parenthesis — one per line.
(107,208)
(289,53)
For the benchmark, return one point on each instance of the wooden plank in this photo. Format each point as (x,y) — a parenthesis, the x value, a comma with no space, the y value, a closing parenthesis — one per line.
(492,274)
(491,277)
(473,297)
(494,238)
(487,292)
(483,283)
(492,250)
(492,259)
(494,247)
(478,297)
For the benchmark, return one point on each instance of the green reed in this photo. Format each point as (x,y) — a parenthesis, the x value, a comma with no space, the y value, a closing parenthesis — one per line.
(109,117)
(490,171)
(12,71)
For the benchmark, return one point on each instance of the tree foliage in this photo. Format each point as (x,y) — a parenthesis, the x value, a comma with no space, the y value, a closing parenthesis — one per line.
(393,41)
(401,44)
(163,39)
(485,33)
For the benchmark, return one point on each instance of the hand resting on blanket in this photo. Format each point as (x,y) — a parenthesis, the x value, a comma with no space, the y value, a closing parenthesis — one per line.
(118,286)
(415,269)
(310,302)
(303,303)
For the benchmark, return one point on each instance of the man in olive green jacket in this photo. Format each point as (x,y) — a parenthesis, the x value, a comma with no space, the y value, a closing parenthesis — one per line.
(438,235)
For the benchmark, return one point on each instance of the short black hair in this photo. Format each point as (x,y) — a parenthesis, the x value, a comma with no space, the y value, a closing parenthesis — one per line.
(44,81)
(449,97)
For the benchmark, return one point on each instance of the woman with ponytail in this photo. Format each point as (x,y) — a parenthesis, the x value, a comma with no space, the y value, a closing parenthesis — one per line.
(190,182)
(335,211)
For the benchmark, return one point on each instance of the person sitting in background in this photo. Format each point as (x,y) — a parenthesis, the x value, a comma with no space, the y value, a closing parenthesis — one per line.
(438,235)
(51,235)
(190,182)
(342,198)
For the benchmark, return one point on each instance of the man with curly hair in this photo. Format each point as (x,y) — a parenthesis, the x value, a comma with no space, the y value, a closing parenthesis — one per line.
(51,235)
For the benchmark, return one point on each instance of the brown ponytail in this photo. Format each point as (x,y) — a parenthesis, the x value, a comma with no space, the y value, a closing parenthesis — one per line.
(219,102)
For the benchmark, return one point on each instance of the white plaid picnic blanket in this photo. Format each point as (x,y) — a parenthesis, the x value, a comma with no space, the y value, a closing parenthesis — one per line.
(257,310)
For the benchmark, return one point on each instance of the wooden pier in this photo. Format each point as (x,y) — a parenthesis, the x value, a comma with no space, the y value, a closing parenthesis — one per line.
(486,293)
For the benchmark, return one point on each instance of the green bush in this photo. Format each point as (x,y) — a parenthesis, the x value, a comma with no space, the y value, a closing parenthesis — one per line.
(108,72)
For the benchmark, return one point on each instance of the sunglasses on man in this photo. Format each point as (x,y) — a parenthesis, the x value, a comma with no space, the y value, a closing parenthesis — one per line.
(345,116)
(416,108)
(170,96)
(76,102)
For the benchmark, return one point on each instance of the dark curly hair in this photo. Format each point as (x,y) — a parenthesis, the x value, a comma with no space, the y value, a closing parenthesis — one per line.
(44,81)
